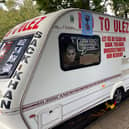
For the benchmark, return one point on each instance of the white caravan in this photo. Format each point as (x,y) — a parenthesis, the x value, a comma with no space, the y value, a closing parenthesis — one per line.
(57,66)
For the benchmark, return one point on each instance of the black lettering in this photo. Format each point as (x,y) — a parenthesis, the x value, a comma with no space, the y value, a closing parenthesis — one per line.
(5,104)
(8,94)
(34,42)
(17,75)
(30,50)
(13,85)
(25,59)
(38,34)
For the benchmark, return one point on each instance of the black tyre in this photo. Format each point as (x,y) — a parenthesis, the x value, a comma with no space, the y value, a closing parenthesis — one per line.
(118,96)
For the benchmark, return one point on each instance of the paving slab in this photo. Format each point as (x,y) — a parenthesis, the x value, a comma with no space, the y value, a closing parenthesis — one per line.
(115,119)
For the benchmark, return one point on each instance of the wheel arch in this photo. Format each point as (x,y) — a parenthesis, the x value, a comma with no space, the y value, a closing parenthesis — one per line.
(116,86)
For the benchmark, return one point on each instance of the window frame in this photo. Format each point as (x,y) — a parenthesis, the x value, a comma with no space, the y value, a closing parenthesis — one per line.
(12,70)
(76,66)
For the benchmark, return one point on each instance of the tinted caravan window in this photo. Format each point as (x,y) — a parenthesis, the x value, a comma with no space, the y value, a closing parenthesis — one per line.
(11,52)
(78,51)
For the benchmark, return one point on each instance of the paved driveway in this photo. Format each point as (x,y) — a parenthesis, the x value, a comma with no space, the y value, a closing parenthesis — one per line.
(115,119)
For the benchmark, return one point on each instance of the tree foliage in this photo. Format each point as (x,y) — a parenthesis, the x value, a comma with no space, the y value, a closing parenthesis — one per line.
(53,5)
(13,17)
(99,5)
(121,8)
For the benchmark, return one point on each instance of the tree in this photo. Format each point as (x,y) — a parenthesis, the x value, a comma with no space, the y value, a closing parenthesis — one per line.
(53,5)
(121,8)
(99,5)
(13,17)
(82,4)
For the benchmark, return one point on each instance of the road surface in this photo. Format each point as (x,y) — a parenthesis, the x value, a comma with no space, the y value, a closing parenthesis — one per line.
(115,119)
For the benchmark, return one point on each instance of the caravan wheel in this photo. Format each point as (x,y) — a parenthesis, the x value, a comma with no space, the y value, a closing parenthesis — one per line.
(118,96)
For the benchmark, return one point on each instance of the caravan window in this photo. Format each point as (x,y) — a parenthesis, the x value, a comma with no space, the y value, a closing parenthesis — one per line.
(78,51)
(11,52)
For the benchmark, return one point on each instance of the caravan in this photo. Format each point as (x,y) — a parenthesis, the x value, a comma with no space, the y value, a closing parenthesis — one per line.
(56,66)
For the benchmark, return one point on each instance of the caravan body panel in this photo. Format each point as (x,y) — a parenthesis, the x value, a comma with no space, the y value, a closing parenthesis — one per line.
(47,88)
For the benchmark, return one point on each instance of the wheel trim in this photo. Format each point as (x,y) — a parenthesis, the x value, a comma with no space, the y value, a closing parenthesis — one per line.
(118,96)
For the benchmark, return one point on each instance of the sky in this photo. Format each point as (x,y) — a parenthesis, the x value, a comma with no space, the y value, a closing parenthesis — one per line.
(109,9)
(19,1)
(2,6)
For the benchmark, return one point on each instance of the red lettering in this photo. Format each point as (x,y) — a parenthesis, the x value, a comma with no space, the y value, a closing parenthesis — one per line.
(121,43)
(32,23)
(79,20)
(104,38)
(8,33)
(108,44)
(107,24)
(121,54)
(124,38)
(127,24)
(109,38)
(22,27)
(123,27)
(25,26)
(117,38)
(14,31)
(123,49)
(109,50)
(117,55)
(115,25)
(36,25)
(120,39)
(101,22)
(115,44)
(113,39)
(120,27)
(109,56)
